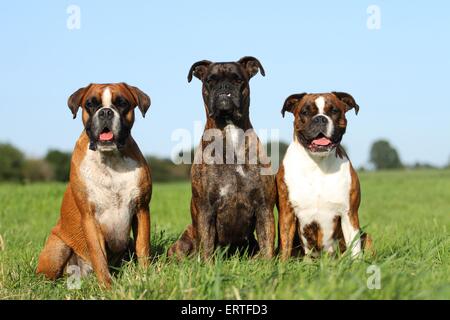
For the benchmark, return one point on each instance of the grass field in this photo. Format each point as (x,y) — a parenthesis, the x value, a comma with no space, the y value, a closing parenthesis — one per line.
(407,214)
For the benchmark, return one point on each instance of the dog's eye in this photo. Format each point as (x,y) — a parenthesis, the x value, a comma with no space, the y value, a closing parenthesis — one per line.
(304,112)
(236,79)
(121,103)
(335,110)
(91,104)
(212,79)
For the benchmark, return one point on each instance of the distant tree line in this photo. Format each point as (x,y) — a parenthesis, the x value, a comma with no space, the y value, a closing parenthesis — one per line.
(15,166)
(55,165)
(383,156)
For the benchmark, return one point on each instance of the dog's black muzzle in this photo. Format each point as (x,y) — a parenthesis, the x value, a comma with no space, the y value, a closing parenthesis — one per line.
(319,125)
(225,101)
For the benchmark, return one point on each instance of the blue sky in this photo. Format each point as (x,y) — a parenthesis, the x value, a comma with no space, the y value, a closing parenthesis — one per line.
(399,74)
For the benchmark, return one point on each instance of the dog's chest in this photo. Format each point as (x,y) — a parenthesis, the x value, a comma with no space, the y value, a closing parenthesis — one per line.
(318,189)
(112,184)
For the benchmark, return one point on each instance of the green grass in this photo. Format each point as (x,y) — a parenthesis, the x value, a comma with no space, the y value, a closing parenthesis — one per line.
(407,214)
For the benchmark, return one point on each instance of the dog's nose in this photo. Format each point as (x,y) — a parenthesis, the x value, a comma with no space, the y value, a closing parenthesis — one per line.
(225,86)
(320,119)
(106,114)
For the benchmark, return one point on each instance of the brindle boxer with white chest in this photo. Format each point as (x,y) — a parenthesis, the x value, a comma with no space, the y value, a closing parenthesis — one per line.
(109,189)
(230,201)
(318,189)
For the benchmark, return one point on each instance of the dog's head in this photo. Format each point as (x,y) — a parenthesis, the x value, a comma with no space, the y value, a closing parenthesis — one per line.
(108,112)
(226,90)
(320,120)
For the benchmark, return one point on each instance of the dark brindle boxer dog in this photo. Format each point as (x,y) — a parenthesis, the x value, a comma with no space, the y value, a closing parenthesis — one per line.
(229,201)
(318,189)
(109,189)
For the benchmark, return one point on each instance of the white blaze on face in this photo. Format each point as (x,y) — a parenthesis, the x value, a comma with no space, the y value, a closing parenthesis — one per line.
(320,104)
(106,97)
(115,126)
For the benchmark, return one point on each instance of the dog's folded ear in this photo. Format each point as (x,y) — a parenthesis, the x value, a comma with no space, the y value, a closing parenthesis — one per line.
(141,98)
(348,100)
(291,102)
(198,69)
(75,99)
(252,66)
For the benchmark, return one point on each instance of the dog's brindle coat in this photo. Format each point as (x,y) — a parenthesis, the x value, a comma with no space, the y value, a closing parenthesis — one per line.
(109,189)
(229,201)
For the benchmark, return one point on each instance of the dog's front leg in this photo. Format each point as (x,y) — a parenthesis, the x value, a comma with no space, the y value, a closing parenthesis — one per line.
(265,231)
(287,223)
(206,232)
(352,235)
(350,220)
(141,232)
(95,241)
(96,247)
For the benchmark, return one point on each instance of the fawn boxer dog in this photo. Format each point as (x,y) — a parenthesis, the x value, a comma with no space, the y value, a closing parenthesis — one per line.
(318,189)
(234,195)
(109,189)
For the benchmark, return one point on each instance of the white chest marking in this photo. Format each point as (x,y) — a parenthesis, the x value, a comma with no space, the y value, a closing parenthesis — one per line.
(240,170)
(224,190)
(112,183)
(232,132)
(319,188)
(235,146)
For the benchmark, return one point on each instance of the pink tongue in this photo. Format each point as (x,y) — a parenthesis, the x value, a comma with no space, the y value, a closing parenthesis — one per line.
(106,136)
(322,141)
